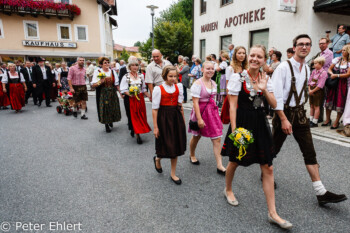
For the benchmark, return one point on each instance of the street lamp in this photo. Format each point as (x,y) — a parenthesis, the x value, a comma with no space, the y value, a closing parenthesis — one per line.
(152,7)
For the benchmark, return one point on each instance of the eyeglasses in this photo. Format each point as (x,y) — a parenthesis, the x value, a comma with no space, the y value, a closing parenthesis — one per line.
(106,62)
(301,45)
(322,43)
(134,65)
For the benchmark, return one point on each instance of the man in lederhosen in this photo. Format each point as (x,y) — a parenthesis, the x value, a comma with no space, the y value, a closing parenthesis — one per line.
(290,89)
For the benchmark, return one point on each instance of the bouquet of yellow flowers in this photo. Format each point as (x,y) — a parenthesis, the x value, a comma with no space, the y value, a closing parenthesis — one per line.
(134,90)
(101,75)
(241,139)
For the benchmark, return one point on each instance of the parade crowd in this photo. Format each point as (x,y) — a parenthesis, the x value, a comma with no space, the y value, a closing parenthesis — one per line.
(248,87)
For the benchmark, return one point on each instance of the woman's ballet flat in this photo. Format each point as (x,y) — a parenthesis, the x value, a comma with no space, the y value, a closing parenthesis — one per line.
(178,182)
(234,203)
(194,163)
(220,172)
(159,170)
(285,225)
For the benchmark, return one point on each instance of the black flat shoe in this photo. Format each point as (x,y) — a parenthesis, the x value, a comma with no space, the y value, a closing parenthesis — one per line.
(108,130)
(75,114)
(220,172)
(139,140)
(336,127)
(132,133)
(83,117)
(194,163)
(178,182)
(111,125)
(330,197)
(328,124)
(159,170)
(49,106)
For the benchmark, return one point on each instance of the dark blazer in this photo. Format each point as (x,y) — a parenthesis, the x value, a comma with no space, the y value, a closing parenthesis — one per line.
(122,72)
(25,73)
(37,75)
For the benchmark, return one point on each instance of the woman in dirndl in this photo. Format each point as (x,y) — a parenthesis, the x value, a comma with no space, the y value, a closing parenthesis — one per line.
(106,84)
(16,87)
(336,97)
(4,99)
(238,65)
(246,97)
(206,114)
(137,107)
(169,121)
(62,77)
(221,78)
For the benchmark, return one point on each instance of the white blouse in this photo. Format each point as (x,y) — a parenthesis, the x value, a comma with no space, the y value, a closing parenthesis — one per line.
(229,72)
(157,94)
(108,74)
(234,86)
(197,88)
(5,78)
(336,61)
(223,65)
(124,85)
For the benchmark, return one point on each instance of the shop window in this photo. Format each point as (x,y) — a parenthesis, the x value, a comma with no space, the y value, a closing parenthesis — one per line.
(259,37)
(202,50)
(203,6)
(81,32)
(64,32)
(1,30)
(225,2)
(31,30)
(225,41)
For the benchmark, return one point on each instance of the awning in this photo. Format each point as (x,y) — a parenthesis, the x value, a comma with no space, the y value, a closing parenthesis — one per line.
(106,6)
(113,22)
(339,7)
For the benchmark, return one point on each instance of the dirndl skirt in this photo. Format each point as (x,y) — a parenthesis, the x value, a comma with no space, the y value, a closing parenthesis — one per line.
(4,99)
(261,151)
(225,112)
(109,108)
(138,115)
(172,132)
(17,96)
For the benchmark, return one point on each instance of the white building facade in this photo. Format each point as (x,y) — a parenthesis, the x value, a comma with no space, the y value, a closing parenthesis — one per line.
(273,23)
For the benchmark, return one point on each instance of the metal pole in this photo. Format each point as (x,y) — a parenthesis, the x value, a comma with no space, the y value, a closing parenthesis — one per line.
(152,32)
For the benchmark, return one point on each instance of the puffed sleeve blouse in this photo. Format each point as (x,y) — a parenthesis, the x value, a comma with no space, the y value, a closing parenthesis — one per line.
(234,86)
(5,78)
(108,74)
(124,85)
(157,94)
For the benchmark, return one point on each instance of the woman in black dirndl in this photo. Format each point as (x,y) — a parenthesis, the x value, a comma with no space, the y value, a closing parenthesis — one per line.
(168,121)
(246,96)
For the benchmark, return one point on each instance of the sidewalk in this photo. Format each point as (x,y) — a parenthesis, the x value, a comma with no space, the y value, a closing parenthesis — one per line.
(321,133)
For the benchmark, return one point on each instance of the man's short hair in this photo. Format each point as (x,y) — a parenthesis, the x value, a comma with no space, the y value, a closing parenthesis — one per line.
(327,40)
(80,57)
(290,50)
(344,27)
(295,40)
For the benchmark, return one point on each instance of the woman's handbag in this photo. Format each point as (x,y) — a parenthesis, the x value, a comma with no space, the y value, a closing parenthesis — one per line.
(333,83)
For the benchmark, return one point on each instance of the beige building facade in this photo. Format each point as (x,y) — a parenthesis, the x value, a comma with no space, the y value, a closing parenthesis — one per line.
(58,36)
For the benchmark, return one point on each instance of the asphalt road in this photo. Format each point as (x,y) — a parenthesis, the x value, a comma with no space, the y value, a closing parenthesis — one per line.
(56,168)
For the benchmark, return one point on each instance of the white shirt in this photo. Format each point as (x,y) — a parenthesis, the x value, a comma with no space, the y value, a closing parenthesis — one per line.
(196,89)
(223,65)
(108,74)
(56,72)
(234,86)
(43,70)
(229,72)
(157,94)
(5,78)
(124,85)
(282,77)
(30,76)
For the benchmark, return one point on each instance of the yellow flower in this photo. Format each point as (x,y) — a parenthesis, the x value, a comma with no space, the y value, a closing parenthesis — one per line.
(247,137)
(238,136)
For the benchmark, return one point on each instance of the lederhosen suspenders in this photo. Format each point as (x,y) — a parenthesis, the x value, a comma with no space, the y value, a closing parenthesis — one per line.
(299,108)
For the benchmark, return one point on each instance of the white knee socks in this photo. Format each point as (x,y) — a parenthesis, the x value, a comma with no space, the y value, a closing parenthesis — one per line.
(319,188)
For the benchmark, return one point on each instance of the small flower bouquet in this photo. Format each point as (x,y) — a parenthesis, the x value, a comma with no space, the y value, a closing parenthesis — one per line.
(241,139)
(101,75)
(135,91)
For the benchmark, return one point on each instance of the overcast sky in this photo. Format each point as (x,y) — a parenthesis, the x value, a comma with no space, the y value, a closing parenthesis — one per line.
(135,21)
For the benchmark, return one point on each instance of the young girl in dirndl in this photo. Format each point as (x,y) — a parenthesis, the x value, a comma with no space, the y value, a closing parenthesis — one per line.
(168,121)
(246,97)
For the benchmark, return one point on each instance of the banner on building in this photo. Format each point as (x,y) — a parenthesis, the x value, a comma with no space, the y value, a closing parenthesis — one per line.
(287,5)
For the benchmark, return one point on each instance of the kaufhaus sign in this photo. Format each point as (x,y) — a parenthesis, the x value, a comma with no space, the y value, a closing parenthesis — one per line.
(51,44)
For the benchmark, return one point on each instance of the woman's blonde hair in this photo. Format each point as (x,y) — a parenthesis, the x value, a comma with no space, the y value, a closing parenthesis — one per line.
(320,60)
(262,47)
(347,49)
(225,55)
(235,63)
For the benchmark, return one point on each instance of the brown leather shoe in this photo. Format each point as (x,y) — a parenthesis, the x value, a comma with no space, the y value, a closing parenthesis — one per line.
(329,197)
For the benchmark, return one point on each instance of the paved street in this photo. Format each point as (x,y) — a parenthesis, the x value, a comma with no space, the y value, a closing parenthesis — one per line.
(56,168)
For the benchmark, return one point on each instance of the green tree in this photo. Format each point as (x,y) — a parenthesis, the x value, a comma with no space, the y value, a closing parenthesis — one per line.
(137,44)
(124,55)
(145,49)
